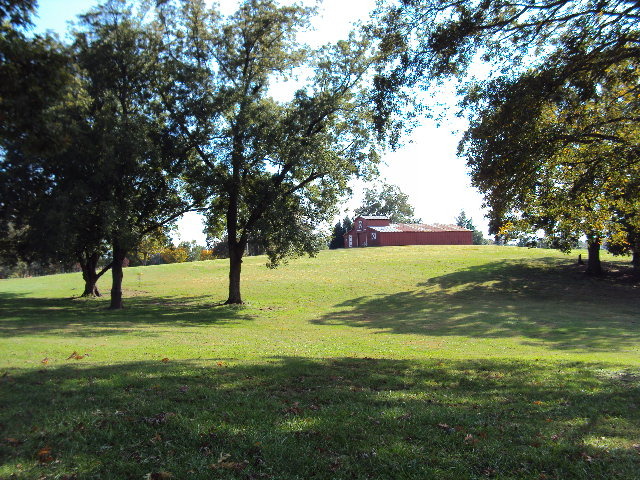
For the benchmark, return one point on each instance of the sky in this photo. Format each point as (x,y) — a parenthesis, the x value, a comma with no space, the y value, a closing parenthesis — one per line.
(426,167)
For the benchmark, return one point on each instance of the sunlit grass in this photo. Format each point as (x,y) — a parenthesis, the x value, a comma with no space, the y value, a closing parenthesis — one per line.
(409,362)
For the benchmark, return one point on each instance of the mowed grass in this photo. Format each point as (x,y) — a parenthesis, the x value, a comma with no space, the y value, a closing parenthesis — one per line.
(408,362)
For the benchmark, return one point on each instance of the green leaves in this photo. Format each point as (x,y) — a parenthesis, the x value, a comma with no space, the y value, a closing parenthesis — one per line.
(272,170)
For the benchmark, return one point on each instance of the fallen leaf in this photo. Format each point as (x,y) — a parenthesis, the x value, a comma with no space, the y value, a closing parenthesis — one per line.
(586,457)
(184,388)
(76,356)
(470,439)
(446,428)
(158,418)
(220,364)
(164,360)
(45,361)
(224,463)
(44,455)
(537,402)
(293,409)
(14,442)
(237,466)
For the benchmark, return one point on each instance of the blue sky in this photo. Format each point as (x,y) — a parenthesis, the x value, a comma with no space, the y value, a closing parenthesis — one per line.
(426,167)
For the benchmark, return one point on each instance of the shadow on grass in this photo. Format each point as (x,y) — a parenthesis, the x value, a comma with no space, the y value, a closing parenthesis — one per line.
(297,418)
(542,301)
(80,316)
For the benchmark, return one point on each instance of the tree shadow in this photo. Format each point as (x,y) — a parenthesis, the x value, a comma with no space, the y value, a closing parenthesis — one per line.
(82,317)
(340,418)
(542,301)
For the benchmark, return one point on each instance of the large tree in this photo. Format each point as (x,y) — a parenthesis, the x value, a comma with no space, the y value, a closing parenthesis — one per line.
(562,89)
(274,169)
(547,157)
(138,163)
(426,41)
(44,175)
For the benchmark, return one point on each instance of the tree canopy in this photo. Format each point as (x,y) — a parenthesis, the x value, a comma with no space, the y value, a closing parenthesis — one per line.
(387,200)
(552,141)
(465,222)
(272,169)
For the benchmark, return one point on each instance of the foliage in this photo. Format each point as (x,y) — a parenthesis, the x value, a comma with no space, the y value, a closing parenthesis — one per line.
(566,166)
(47,182)
(339,230)
(554,122)
(389,201)
(477,237)
(139,161)
(206,254)
(220,247)
(153,243)
(464,222)
(173,254)
(425,41)
(273,169)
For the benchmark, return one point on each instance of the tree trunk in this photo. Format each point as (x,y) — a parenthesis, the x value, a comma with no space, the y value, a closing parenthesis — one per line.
(635,262)
(594,267)
(119,255)
(89,275)
(235,267)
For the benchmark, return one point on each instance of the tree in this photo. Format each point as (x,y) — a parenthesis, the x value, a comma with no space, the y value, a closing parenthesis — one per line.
(563,90)
(273,170)
(44,177)
(424,41)
(151,244)
(139,162)
(337,236)
(464,222)
(388,201)
(339,230)
(548,158)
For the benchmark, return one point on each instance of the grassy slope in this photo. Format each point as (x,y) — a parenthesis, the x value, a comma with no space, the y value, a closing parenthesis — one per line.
(454,362)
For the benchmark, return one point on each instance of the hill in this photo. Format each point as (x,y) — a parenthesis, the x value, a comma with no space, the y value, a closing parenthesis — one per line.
(398,362)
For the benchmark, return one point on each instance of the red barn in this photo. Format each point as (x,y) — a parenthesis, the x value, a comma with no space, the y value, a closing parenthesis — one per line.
(380,232)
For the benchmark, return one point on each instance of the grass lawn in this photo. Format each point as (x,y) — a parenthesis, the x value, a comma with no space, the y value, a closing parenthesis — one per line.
(439,362)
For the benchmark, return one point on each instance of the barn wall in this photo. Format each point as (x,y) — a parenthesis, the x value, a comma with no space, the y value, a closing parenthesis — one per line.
(425,238)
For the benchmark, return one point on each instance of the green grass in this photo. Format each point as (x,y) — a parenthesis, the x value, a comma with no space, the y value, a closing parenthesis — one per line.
(409,362)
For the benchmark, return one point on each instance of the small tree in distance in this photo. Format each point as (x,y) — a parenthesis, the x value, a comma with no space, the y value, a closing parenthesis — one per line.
(340,228)
(464,222)
(387,200)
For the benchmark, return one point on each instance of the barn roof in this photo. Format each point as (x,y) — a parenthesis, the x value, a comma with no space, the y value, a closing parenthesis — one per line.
(418,227)
(373,217)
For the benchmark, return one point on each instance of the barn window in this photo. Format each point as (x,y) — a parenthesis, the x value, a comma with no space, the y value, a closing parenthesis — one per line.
(373,235)
(359,224)
(350,241)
